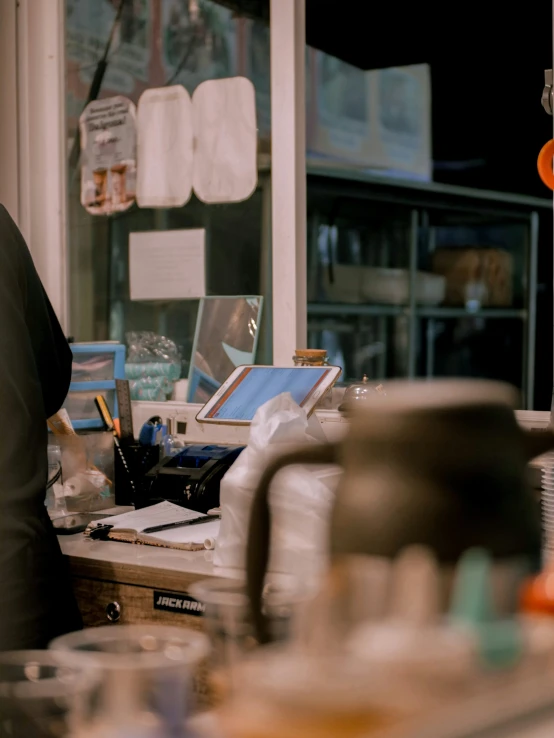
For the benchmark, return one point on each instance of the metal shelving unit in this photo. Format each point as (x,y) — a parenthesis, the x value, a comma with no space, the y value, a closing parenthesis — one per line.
(425,204)
(342,309)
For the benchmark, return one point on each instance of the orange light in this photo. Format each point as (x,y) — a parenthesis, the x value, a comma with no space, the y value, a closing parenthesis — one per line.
(544,164)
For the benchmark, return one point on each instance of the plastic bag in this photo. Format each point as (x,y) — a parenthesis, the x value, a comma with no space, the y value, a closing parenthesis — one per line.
(301,497)
(153,365)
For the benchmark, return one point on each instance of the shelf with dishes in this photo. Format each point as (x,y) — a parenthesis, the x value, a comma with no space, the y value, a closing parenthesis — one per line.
(421,281)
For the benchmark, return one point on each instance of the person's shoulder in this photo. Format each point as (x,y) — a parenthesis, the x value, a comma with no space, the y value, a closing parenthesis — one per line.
(4,213)
(13,249)
(6,220)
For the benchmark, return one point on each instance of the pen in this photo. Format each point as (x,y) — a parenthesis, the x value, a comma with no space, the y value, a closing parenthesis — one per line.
(110,426)
(181,523)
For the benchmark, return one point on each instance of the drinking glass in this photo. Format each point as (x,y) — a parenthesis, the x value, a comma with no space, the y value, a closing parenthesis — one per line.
(40,697)
(146,676)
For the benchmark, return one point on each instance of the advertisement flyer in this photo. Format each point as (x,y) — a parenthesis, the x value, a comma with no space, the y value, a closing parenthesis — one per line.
(108,155)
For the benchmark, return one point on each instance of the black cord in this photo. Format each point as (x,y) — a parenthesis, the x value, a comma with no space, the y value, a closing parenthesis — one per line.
(57,475)
(95,87)
(184,60)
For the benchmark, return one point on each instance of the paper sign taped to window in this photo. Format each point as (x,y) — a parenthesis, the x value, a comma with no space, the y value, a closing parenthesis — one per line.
(167,265)
(108,155)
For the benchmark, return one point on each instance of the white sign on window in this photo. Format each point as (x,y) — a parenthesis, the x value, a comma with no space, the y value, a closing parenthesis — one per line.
(167,265)
(207,144)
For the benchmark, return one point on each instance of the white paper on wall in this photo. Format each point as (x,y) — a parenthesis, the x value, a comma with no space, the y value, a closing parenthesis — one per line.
(225,162)
(167,265)
(164,148)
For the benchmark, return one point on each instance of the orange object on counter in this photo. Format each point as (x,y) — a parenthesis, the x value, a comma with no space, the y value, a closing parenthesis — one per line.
(544,164)
(537,594)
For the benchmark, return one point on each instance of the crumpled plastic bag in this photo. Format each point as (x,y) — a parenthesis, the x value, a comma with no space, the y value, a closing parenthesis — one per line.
(153,366)
(301,497)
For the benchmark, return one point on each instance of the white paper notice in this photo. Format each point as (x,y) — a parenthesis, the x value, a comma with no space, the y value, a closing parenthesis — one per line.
(167,265)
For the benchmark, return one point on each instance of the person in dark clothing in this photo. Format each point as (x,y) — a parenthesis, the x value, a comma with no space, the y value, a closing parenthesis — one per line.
(36,600)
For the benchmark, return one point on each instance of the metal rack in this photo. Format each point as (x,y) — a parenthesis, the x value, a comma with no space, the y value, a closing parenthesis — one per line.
(425,202)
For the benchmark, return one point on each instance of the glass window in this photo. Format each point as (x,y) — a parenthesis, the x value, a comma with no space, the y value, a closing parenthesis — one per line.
(152,44)
(415,267)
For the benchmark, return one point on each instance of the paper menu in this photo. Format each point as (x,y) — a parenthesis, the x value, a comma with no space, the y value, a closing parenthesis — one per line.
(167,265)
(160,514)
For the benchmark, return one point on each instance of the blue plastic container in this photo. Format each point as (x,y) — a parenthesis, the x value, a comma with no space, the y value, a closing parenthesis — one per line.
(96,366)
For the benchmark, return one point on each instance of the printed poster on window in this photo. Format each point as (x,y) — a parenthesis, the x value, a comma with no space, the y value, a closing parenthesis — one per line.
(108,155)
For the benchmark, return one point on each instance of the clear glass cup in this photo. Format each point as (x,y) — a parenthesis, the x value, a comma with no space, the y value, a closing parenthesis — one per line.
(229,627)
(146,676)
(43,698)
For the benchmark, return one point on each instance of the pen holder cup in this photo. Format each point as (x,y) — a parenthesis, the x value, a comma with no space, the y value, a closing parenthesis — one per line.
(128,481)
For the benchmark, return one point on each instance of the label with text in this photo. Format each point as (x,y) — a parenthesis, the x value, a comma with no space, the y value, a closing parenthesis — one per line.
(182,603)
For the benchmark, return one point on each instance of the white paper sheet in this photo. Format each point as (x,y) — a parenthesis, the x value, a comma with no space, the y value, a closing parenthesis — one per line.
(225,164)
(160,514)
(164,148)
(167,265)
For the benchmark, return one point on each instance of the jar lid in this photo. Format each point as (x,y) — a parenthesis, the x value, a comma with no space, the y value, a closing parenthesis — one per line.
(358,392)
(310,353)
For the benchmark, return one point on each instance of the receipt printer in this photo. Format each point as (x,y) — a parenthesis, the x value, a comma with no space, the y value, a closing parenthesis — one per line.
(190,478)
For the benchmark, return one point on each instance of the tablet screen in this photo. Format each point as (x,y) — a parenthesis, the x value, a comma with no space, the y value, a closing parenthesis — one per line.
(256,385)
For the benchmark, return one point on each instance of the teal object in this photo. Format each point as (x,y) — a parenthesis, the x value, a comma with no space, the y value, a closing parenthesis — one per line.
(142,370)
(500,640)
(150,388)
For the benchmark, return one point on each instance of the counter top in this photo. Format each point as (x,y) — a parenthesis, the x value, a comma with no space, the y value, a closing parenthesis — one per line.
(115,552)
(136,563)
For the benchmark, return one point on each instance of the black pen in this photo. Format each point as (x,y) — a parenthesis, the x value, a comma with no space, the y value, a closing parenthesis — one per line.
(181,523)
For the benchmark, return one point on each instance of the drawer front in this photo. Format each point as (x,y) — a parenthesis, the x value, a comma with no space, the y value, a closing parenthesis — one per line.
(80,405)
(93,367)
(102,603)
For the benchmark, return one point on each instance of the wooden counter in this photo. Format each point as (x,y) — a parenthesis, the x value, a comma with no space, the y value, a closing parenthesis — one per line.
(118,582)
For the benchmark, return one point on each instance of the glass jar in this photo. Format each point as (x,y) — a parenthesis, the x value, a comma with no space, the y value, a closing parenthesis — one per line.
(357,393)
(310,357)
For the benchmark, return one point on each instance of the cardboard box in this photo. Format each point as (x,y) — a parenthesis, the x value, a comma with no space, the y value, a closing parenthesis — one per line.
(401,124)
(342,125)
(378,120)
(467,269)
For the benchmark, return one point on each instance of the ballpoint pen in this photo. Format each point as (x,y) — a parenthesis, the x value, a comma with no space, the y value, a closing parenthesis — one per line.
(181,523)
